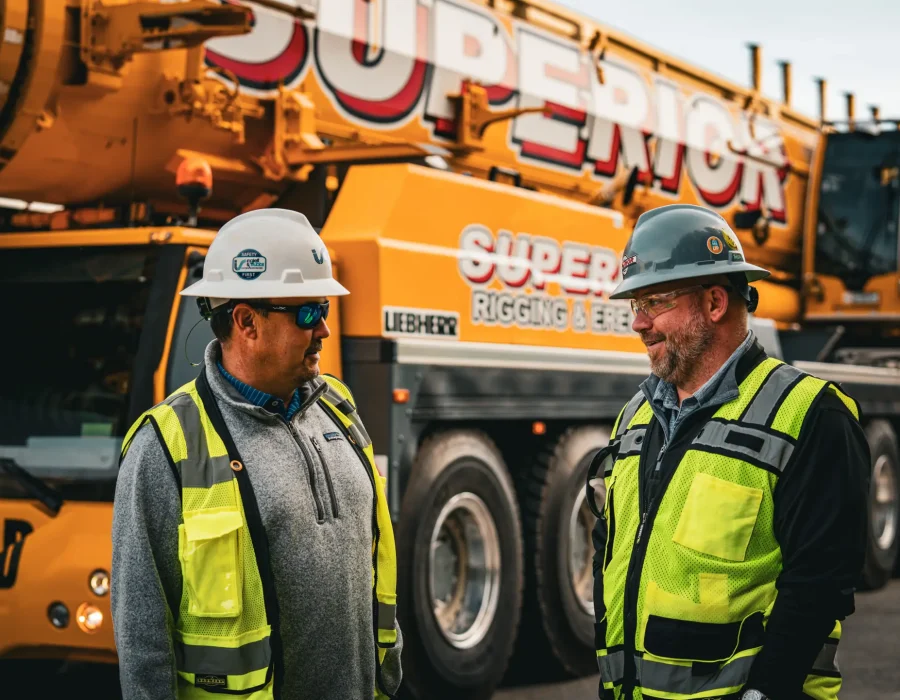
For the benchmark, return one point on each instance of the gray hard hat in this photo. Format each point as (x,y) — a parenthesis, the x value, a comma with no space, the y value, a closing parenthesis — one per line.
(682,242)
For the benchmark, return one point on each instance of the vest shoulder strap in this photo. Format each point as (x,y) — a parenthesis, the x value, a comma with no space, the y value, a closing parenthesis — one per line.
(339,397)
(627,414)
(848,401)
(778,380)
(164,418)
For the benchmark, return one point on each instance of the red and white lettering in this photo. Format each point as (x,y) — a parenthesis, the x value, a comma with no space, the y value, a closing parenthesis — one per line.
(604,270)
(475,262)
(546,258)
(574,267)
(669,134)
(516,272)
(621,112)
(763,184)
(388,62)
(275,51)
(714,169)
(549,72)
(470,45)
(383,84)
(517,258)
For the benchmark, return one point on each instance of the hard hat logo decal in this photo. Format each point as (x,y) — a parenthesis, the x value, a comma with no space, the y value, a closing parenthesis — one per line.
(628,262)
(714,245)
(248,264)
(319,256)
(729,241)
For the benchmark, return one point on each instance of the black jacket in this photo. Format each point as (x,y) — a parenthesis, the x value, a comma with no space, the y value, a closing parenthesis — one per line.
(820,521)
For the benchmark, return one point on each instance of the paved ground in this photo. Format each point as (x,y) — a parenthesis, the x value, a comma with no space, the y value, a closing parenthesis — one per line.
(869,656)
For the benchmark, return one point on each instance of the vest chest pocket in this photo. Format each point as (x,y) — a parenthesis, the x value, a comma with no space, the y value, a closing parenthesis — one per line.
(718,517)
(210,562)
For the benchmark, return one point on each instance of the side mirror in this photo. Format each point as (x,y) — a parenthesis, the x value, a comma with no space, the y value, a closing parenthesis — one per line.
(746,219)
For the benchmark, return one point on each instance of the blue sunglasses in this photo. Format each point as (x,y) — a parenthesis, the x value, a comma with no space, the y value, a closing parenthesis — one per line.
(308,315)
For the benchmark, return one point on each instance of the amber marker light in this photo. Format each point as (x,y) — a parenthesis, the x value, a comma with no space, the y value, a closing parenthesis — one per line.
(89,618)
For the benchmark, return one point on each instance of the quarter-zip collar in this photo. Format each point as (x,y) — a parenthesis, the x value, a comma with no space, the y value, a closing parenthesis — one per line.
(305,395)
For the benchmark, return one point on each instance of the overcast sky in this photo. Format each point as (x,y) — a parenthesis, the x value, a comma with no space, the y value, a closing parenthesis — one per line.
(851,43)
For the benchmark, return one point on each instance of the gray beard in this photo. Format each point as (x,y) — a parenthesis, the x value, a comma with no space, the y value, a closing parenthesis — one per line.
(685,349)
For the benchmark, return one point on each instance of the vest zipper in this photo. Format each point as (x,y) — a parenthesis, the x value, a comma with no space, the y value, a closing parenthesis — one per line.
(334,508)
(654,477)
(310,473)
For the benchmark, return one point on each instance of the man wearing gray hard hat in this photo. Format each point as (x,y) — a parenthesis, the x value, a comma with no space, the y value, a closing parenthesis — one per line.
(733,527)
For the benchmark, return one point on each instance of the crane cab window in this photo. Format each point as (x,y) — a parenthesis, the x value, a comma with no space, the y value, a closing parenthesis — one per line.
(859,207)
(75,318)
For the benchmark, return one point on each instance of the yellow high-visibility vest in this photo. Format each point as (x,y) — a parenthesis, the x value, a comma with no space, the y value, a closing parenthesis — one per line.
(223,636)
(689,583)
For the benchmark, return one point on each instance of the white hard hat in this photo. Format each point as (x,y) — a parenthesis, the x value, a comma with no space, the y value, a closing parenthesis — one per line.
(266,253)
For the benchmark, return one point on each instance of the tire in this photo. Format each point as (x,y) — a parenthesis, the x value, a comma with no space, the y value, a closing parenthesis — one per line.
(883,539)
(559,556)
(459,478)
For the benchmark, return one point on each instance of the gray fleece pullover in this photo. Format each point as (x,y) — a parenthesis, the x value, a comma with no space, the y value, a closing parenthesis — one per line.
(319,527)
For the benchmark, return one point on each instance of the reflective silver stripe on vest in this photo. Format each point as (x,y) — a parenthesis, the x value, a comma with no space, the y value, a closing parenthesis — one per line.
(203,471)
(772,450)
(826,661)
(769,394)
(630,409)
(612,667)
(222,660)
(631,441)
(668,678)
(386,616)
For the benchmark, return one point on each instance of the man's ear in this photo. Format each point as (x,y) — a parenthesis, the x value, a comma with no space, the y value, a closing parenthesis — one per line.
(245,321)
(718,303)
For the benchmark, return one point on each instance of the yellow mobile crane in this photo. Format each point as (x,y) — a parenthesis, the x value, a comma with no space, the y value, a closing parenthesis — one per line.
(476,187)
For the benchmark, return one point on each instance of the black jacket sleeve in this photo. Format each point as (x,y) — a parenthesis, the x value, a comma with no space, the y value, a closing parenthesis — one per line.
(821,524)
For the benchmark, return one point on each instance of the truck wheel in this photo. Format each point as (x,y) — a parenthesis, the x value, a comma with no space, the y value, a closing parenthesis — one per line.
(460,570)
(884,506)
(559,551)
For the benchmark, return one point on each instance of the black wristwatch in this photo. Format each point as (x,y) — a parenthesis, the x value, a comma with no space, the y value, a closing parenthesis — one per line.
(753,695)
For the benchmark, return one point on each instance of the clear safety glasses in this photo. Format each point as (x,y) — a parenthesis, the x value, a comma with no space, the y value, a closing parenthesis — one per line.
(655,304)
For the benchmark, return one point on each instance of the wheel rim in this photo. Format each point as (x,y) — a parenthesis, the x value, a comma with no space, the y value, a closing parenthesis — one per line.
(884,510)
(581,570)
(464,570)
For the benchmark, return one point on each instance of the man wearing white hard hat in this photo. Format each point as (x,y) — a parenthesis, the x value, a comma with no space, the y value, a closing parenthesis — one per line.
(253,553)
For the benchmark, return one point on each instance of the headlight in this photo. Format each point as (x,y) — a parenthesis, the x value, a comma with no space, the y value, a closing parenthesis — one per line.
(89,618)
(100,582)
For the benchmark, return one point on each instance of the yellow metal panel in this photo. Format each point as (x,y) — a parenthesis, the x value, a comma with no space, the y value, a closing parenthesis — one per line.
(162,235)
(398,230)
(57,559)
(879,300)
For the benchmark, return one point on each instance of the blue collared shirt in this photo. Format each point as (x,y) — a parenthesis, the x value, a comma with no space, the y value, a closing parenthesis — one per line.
(261,398)
(721,388)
